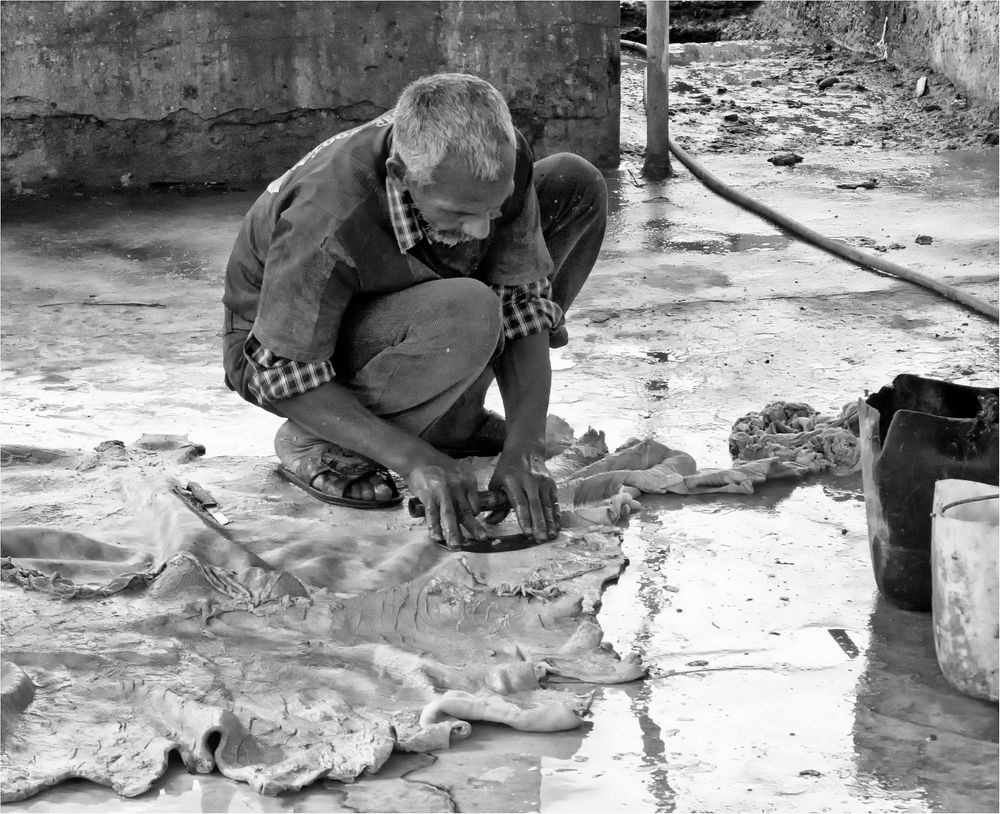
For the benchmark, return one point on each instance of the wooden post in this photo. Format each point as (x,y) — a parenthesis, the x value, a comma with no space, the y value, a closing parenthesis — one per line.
(657,164)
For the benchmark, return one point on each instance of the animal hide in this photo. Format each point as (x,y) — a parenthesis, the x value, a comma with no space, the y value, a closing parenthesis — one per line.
(302,641)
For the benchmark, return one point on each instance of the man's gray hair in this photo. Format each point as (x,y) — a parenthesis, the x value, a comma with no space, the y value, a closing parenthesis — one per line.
(452,113)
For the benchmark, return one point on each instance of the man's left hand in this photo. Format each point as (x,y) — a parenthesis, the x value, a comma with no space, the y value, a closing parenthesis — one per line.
(531,492)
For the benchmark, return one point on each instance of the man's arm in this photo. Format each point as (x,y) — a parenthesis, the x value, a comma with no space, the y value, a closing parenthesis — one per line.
(448,491)
(524,375)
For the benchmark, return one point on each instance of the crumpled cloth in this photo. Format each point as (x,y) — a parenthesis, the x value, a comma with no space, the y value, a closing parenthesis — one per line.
(799,436)
(605,490)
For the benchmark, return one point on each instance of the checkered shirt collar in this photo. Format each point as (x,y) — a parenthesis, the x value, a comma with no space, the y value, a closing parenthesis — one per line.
(403,217)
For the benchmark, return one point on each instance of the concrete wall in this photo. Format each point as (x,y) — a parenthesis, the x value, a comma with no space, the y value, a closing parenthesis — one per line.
(235,92)
(957,38)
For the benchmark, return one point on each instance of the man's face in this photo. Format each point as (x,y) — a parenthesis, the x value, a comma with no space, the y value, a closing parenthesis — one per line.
(455,207)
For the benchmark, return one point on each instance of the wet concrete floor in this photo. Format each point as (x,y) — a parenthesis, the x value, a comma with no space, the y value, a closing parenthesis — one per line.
(779,680)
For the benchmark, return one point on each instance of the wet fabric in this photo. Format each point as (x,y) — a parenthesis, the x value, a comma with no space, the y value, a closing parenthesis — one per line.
(302,641)
(799,436)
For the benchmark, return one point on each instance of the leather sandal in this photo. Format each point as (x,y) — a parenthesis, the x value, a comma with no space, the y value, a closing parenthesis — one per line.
(346,474)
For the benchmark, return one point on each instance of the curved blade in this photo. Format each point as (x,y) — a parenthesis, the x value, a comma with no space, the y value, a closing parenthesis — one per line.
(498,545)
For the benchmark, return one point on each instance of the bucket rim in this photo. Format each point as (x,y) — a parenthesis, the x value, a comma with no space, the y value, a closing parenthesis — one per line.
(940,512)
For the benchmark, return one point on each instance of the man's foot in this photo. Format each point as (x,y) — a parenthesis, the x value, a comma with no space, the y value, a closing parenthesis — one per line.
(485,441)
(332,474)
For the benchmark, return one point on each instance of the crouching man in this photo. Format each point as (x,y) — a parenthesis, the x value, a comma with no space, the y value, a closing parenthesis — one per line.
(377,288)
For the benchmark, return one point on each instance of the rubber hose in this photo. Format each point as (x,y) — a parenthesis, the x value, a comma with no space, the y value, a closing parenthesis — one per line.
(836,247)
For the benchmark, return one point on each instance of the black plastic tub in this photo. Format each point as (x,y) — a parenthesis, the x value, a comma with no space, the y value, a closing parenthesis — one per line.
(914,433)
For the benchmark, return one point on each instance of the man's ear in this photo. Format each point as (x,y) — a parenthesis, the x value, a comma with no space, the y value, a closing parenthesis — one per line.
(396,167)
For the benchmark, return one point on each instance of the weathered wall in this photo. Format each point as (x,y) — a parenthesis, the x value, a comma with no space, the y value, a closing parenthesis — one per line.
(957,38)
(235,92)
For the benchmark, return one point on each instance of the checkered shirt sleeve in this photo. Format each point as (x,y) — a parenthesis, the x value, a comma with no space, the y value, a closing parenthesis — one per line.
(527,309)
(275,378)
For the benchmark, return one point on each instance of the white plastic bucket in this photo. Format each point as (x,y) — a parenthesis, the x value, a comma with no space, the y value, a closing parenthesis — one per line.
(964,576)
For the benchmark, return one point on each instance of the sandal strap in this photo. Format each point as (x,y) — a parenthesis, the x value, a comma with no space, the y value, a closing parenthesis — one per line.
(351,470)
(351,473)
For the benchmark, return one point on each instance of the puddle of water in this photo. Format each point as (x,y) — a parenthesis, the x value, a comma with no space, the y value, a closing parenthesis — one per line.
(687,278)
(180,792)
(143,260)
(807,648)
(766,738)
(709,246)
(742,77)
(611,771)
(659,235)
(559,360)
(764,686)
(741,243)
(727,51)
(40,418)
(958,165)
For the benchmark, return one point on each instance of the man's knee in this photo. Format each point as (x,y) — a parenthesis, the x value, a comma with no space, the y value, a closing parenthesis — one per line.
(467,312)
(451,331)
(569,186)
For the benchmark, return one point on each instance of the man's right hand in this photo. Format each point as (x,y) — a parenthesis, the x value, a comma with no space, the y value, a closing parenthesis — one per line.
(449,492)
(445,486)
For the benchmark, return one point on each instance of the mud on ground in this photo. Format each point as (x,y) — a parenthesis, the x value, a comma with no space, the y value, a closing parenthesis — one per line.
(779,92)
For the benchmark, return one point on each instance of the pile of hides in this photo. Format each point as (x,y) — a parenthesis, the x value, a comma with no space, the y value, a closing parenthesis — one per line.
(800,437)
(303,640)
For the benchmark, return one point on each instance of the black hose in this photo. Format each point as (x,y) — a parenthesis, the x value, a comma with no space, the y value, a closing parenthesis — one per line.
(836,247)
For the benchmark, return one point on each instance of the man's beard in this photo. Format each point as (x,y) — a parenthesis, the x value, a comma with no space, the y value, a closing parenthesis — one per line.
(446,237)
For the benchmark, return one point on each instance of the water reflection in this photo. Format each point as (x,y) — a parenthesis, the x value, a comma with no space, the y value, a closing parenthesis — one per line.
(612,770)
(915,736)
(653,750)
(766,496)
